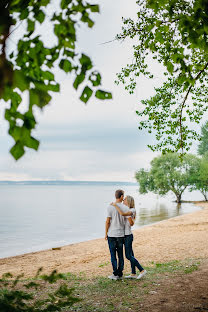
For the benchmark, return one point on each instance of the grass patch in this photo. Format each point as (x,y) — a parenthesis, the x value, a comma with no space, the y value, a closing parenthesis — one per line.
(102,294)
(72,277)
(191,268)
(103,264)
(167,267)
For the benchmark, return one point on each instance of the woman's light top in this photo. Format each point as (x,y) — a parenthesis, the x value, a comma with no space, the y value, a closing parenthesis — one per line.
(127,224)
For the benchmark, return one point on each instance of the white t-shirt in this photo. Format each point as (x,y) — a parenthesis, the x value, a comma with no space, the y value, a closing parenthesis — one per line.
(127,224)
(117,224)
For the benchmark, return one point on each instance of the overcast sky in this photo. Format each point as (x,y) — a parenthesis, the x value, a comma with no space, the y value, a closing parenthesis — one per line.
(97,141)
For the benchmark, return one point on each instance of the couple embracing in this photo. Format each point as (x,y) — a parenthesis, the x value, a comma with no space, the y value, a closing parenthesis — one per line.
(120,217)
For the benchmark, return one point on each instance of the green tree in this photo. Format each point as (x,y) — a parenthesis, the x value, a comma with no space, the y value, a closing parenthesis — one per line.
(175,33)
(29,67)
(203,145)
(167,173)
(145,180)
(199,176)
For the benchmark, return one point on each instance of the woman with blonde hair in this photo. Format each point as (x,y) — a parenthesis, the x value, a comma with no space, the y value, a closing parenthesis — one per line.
(128,239)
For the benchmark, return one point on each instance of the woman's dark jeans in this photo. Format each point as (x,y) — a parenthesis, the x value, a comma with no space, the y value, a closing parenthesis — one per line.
(130,255)
(116,246)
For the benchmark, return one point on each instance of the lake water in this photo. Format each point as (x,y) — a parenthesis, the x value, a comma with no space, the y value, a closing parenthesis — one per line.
(37,217)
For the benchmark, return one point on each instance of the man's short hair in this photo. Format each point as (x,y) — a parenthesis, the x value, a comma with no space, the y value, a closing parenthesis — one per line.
(119,193)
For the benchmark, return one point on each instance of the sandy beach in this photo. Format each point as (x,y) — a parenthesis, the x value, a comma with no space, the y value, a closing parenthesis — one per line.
(178,238)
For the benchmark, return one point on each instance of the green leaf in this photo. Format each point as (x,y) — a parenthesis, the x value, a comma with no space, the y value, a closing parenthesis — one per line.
(47,75)
(103,95)
(16,133)
(39,98)
(65,3)
(44,2)
(29,120)
(79,79)
(15,2)
(69,53)
(69,44)
(20,80)
(95,78)
(53,87)
(94,8)
(40,86)
(34,98)
(170,67)
(44,98)
(159,37)
(16,99)
(86,62)
(17,150)
(30,25)
(86,94)
(6,93)
(181,79)
(31,143)
(7,114)
(40,16)
(24,14)
(66,66)
(86,19)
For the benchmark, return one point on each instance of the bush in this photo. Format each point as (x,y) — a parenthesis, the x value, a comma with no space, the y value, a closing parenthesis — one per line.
(36,295)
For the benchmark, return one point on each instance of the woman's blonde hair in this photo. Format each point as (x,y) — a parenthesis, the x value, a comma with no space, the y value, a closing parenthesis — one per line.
(130,201)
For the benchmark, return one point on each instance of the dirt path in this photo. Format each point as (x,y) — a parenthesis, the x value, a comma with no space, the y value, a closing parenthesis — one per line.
(177,238)
(181,292)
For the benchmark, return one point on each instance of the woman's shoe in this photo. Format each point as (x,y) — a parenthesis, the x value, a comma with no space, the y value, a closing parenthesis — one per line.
(143,273)
(130,276)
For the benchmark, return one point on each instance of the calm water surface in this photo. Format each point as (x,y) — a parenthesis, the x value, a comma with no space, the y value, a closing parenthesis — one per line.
(37,217)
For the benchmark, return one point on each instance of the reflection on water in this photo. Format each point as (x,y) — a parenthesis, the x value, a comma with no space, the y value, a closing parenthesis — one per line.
(160,212)
(152,208)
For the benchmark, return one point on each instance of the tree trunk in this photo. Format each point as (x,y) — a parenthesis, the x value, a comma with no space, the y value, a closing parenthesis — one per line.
(178,196)
(205,196)
(178,207)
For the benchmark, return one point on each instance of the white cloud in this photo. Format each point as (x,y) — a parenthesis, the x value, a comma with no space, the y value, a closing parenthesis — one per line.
(14,176)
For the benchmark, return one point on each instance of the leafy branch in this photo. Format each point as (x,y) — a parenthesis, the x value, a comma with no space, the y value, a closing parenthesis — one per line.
(16,295)
(175,34)
(30,65)
(183,103)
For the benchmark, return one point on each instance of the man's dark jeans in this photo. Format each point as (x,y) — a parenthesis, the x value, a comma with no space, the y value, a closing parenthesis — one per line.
(116,246)
(130,255)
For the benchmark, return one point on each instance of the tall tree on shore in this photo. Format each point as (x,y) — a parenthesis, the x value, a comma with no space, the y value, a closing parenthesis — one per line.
(203,145)
(199,176)
(29,66)
(167,174)
(175,33)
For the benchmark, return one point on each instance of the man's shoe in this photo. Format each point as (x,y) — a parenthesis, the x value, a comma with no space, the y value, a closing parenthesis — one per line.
(143,273)
(113,277)
(130,276)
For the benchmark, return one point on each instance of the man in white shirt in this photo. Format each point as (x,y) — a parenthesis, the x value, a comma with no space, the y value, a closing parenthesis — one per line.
(114,233)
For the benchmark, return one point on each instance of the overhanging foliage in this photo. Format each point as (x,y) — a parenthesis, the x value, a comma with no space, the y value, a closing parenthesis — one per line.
(175,33)
(30,66)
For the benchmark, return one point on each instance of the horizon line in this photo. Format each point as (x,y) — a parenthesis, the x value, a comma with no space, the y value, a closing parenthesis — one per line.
(92,181)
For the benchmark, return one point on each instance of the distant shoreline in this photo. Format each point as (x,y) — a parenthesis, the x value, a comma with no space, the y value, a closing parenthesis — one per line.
(64,182)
